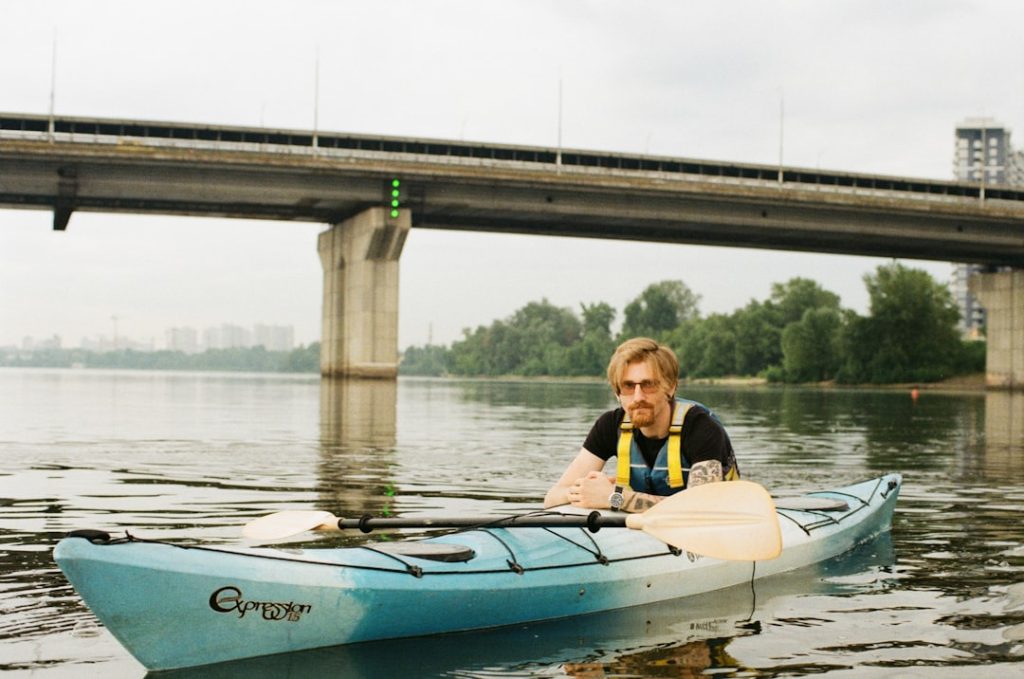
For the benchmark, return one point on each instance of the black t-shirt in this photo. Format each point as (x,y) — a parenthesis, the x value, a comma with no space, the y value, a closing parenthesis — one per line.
(703,438)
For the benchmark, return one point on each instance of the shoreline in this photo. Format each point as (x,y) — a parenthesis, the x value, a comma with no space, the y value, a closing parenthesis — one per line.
(974,382)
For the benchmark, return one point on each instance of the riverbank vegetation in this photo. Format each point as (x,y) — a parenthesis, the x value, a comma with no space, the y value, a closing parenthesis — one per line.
(799,334)
(251,359)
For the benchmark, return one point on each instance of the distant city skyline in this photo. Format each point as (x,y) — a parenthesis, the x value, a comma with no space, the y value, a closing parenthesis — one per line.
(179,338)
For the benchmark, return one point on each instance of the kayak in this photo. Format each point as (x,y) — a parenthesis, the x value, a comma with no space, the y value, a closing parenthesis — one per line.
(175,606)
(666,635)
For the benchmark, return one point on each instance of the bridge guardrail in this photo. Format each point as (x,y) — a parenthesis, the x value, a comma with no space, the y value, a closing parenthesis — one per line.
(580,163)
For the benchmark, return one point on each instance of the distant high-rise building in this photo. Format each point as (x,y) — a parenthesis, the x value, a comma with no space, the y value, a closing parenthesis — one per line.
(983,151)
(182,339)
(983,154)
(29,343)
(274,337)
(226,336)
(972,314)
(102,344)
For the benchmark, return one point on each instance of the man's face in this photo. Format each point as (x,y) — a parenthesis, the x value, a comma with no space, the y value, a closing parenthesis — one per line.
(642,394)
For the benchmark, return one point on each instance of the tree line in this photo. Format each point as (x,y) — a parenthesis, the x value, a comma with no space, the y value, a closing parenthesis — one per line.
(799,334)
(304,359)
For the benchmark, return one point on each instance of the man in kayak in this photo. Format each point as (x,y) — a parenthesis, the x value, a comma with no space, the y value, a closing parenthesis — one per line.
(662,444)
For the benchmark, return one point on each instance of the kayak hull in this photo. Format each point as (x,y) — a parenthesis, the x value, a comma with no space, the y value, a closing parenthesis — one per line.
(176,606)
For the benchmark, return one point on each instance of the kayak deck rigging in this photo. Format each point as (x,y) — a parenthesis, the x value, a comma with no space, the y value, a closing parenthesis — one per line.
(513,562)
(827,518)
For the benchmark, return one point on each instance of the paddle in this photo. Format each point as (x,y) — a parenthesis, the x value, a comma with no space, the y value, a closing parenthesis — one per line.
(733,520)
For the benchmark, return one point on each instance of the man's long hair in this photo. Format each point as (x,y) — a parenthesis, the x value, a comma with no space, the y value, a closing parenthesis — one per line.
(662,360)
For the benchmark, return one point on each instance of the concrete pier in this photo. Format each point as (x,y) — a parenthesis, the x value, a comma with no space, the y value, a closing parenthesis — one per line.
(1002,295)
(360,304)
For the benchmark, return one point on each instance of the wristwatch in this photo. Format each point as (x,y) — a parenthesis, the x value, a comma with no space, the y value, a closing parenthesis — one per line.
(616,499)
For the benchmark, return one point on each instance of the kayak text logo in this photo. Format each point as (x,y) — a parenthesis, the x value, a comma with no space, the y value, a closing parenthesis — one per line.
(229,599)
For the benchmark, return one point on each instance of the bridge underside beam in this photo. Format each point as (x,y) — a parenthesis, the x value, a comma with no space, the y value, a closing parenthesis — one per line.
(511,198)
(360,303)
(1002,296)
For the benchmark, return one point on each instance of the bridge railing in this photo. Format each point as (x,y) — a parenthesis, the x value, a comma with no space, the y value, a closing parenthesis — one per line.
(68,130)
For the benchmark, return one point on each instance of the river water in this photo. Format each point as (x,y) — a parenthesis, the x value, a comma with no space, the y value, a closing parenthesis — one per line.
(191,457)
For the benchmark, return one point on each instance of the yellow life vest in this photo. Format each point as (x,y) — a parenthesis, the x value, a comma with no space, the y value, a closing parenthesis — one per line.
(675,442)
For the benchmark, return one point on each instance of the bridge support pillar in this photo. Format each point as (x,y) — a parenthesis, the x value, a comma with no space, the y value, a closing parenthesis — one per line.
(1002,295)
(359,337)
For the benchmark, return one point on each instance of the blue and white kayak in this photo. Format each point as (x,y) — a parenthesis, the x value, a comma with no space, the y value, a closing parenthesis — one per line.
(176,606)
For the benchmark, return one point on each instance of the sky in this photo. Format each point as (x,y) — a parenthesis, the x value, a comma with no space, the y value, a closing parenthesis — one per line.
(856,86)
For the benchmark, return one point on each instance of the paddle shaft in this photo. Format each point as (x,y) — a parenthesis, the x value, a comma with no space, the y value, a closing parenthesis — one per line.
(593,521)
(734,520)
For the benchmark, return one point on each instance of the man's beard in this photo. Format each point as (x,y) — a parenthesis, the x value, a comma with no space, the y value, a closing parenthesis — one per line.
(641,413)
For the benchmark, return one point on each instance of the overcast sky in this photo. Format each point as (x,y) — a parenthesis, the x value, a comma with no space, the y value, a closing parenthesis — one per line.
(867,87)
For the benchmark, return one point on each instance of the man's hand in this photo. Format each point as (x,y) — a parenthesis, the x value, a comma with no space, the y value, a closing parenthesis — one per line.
(591,491)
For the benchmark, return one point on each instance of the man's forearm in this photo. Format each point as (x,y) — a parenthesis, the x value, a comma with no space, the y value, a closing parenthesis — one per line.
(708,471)
(640,502)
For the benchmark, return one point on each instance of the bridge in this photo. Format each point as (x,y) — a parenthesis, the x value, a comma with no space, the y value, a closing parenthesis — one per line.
(67,164)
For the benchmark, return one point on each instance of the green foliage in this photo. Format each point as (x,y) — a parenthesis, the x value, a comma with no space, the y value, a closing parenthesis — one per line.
(971,357)
(532,341)
(757,332)
(910,335)
(752,335)
(589,356)
(810,347)
(305,359)
(794,297)
(705,347)
(659,310)
(430,359)
(597,319)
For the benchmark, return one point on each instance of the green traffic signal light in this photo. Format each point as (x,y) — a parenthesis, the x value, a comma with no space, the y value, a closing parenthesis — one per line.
(396,197)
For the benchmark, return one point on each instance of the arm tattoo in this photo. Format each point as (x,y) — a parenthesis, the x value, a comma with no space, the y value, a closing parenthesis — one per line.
(707,471)
(640,502)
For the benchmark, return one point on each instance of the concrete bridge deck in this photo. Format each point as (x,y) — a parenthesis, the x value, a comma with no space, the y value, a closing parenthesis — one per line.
(168,168)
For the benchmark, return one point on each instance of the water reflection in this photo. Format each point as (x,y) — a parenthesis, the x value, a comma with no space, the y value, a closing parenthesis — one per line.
(545,395)
(358,422)
(358,413)
(1004,434)
(866,430)
(918,435)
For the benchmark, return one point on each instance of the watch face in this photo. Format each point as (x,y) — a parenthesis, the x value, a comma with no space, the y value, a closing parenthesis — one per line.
(615,500)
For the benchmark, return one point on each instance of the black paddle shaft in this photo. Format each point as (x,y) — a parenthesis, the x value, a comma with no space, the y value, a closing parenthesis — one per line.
(593,521)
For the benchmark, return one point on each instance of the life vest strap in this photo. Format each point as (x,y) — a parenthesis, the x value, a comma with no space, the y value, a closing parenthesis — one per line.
(675,443)
(625,441)
(675,454)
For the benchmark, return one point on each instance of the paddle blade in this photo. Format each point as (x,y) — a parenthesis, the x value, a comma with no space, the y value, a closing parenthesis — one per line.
(733,520)
(287,523)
